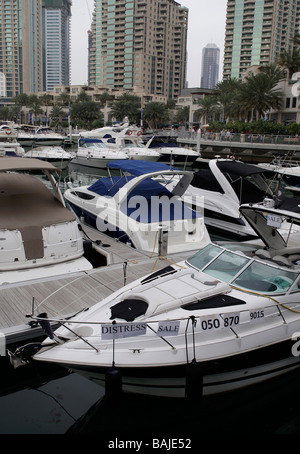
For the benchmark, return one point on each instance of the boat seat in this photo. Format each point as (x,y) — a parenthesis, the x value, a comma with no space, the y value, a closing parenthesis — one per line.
(263,254)
(283,261)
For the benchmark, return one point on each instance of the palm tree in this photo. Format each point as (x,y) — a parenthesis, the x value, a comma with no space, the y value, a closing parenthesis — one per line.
(35,106)
(225,94)
(57,113)
(290,60)
(126,106)
(258,94)
(183,115)
(85,113)
(21,101)
(156,113)
(208,108)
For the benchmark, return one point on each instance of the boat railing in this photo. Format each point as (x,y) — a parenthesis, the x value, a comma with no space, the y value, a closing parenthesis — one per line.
(251,138)
(170,328)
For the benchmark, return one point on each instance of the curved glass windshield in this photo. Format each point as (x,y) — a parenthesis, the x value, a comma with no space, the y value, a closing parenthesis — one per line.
(242,271)
(261,277)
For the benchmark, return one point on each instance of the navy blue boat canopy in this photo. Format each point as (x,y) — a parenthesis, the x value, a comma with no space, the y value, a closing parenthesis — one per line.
(136,167)
(83,140)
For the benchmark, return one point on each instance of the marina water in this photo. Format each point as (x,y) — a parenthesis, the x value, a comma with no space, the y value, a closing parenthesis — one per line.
(44,399)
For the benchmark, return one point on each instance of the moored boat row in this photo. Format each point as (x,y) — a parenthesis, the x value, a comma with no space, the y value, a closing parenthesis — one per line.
(231,310)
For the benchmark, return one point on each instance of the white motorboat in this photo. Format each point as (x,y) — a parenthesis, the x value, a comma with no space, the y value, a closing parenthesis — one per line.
(140,210)
(7,132)
(228,316)
(39,235)
(171,153)
(11,149)
(94,153)
(54,154)
(225,185)
(133,146)
(108,132)
(25,135)
(288,172)
(126,139)
(46,136)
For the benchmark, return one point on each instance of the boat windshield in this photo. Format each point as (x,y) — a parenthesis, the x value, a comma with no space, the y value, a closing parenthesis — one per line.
(242,271)
(94,145)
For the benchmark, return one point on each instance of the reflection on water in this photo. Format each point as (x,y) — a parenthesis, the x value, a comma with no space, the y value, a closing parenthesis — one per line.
(40,398)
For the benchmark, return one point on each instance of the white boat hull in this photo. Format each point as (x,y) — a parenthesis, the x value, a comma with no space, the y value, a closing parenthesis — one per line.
(93,162)
(215,377)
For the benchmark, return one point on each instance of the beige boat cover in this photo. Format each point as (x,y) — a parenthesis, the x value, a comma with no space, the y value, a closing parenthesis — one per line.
(27,205)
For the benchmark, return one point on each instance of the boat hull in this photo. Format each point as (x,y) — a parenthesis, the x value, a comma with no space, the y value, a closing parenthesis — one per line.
(214,377)
(92,162)
(174,158)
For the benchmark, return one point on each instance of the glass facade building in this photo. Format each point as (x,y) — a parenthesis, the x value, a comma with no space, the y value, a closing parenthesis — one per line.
(21,46)
(257,31)
(56,43)
(139,43)
(210,66)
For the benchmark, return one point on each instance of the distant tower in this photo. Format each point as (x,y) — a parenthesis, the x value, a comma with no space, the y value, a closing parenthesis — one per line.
(56,37)
(210,66)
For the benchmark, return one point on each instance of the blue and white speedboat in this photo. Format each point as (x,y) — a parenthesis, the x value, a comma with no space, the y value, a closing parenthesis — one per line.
(137,208)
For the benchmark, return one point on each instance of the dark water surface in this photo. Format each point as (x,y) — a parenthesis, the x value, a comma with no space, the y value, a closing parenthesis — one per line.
(43,399)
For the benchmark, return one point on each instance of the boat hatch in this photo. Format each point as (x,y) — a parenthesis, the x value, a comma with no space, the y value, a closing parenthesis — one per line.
(129,309)
(213,302)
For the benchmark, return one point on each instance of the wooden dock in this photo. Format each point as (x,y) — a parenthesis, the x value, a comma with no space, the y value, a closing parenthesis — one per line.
(69,294)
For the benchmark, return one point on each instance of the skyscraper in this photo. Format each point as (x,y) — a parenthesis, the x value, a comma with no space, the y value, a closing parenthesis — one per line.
(56,42)
(257,31)
(210,66)
(21,46)
(139,43)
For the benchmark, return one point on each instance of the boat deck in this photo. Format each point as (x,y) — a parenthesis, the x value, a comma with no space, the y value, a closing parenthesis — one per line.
(66,295)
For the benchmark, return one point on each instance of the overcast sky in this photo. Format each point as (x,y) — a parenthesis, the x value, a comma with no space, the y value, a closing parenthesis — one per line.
(206,25)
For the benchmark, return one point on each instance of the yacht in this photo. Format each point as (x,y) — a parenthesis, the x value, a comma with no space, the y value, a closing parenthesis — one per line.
(225,185)
(171,153)
(39,235)
(11,148)
(107,132)
(137,208)
(229,317)
(127,139)
(46,136)
(54,154)
(94,153)
(20,133)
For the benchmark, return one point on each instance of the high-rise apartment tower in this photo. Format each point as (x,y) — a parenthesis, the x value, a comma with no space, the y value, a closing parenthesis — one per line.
(139,43)
(257,31)
(21,46)
(210,66)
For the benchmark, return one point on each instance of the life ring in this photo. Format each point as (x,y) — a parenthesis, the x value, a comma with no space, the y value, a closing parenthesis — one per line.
(139,133)
(129,132)
(8,132)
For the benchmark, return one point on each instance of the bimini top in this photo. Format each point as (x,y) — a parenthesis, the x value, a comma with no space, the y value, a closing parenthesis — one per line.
(137,167)
(25,164)
(239,169)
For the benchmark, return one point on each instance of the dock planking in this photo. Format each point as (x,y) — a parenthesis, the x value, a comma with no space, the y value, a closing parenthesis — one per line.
(66,295)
